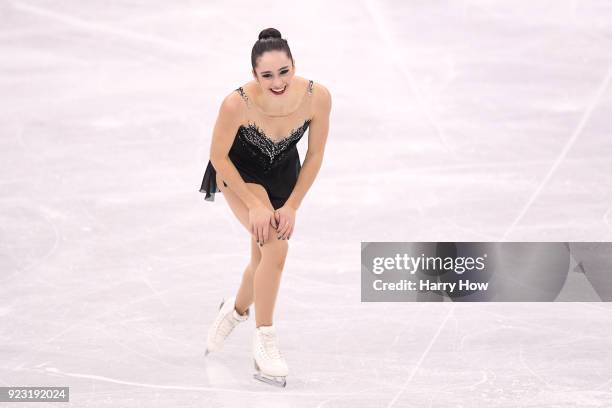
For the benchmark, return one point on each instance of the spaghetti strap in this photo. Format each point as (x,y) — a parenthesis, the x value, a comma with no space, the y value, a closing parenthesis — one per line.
(243,94)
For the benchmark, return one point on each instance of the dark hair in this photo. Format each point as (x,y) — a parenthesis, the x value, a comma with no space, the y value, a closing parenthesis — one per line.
(269,39)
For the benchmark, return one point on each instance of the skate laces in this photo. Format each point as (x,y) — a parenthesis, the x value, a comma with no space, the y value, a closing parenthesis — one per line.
(226,325)
(270,345)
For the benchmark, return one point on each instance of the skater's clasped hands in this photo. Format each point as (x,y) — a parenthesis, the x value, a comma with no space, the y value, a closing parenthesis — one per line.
(260,219)
(285,219)
(282,221)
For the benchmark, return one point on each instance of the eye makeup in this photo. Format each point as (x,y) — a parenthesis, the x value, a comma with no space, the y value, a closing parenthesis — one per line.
(268,74)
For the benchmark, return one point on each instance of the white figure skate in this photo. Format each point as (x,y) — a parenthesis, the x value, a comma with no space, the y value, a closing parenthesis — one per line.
(224,323)
(269,363)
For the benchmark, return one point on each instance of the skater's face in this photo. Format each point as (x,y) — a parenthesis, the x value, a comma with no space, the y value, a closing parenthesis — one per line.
(274,72)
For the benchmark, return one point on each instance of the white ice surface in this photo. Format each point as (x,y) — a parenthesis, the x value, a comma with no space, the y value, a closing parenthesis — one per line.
(452,121)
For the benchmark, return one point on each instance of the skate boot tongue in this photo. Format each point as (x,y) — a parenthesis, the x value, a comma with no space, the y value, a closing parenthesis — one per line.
(266,329)
(239,317)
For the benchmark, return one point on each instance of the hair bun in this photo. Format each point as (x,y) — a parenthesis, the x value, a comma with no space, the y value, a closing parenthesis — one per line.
(269,33)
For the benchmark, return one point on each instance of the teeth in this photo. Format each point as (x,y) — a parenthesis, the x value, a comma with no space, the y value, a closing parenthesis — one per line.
(278,90)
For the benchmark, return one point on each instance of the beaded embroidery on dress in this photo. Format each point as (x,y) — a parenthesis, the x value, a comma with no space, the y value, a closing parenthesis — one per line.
(273,150)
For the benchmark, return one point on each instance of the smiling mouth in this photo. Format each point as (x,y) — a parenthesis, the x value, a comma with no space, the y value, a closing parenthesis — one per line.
(279,91)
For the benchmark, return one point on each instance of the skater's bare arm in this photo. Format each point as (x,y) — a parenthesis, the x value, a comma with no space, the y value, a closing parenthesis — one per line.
(317,137)
(224,132)
(226,126)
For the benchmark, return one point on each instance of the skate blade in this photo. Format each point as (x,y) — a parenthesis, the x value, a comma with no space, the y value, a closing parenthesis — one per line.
(276,381)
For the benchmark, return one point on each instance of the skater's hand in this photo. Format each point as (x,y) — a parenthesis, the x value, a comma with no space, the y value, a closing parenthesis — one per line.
(260,219)
(285,216)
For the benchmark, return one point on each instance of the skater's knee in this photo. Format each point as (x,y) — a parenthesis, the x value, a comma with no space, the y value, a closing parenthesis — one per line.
(275,247)
(275,252)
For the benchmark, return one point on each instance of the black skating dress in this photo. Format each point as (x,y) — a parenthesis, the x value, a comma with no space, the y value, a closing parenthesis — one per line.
(274,162)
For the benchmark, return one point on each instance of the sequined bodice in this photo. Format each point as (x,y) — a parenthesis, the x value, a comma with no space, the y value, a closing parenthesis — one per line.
(254,144)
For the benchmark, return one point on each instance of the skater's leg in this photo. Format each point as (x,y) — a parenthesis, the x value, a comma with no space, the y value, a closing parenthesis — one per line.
(267,280)
(244,298)
(245,295)
(260,282)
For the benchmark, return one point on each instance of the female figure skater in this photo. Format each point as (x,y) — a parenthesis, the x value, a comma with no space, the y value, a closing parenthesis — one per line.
(254,162)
